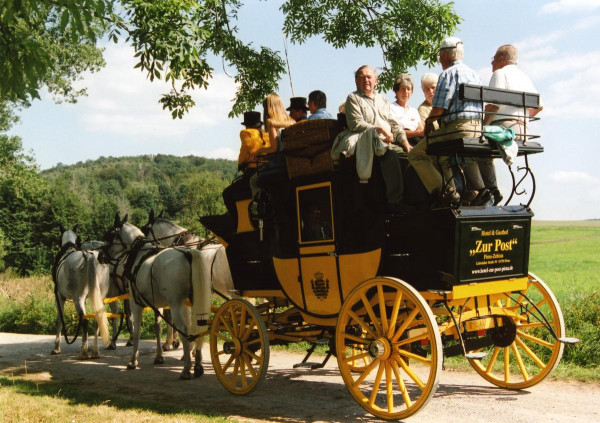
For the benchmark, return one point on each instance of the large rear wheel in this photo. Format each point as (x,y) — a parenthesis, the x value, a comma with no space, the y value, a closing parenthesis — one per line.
(239,346)
(526,352)
(392,348)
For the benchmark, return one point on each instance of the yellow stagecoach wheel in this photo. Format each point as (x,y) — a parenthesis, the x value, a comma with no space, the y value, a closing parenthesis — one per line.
(393,350)
(525,352)
(239,346)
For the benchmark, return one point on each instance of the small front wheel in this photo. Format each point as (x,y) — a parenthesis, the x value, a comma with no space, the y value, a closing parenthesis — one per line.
(239,346)
(393,350)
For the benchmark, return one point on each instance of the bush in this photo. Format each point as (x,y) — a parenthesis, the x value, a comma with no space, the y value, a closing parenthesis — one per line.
(582,320)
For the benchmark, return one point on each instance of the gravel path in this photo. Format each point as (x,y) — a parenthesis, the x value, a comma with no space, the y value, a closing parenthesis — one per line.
(287,395)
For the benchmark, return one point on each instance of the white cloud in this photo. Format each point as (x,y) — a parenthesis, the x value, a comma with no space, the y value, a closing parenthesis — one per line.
(122,101)
(574,176)
(566,6)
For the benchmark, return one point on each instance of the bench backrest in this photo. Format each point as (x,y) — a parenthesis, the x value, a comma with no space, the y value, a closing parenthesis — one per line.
(470,92)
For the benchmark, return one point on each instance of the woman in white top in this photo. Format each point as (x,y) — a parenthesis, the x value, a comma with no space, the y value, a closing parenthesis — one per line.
(408,116)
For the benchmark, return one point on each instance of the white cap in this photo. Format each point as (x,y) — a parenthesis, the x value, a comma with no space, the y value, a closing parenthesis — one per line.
(450,42)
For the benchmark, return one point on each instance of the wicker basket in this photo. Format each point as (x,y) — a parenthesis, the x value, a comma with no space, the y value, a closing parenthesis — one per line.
(307,146)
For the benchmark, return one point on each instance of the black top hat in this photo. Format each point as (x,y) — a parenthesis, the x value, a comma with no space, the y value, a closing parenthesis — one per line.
(297,103)
(252,120)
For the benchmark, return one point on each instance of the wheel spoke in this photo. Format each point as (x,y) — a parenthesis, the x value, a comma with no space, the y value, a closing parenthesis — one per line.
(397,301)
(227,364)
(389,384)
(414,356)
(226,325)
(233,321)
(362,323)
(366,372)
(405,324)
(531,325)
(251,354)
(382,309)
(530,353)
(249,366)
(535,339)
(506,365)
(371,314)
(492,360)
(377,382)
(410,372)
(424,335)
(401,385)
(519,361)
(242,323)
(356,357)
(223,337)
(358,339)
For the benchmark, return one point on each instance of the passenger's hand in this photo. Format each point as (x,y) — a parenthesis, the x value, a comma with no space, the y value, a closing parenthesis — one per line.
(387,136)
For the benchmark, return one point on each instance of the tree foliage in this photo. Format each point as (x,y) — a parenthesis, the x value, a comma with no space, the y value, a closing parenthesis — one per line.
(52,41)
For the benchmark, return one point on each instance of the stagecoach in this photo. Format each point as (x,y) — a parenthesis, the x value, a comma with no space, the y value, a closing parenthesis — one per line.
(390,295)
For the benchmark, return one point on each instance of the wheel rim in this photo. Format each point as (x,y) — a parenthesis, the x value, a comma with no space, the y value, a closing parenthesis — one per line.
(534,353)
(239,346)
(392,358)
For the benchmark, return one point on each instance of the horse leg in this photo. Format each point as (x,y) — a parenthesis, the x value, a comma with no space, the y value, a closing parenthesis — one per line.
(180,321)
(95,352)
(114,309)
(198,368)
(80,307)
(60,306)
(128,321)
(159,359)
(172,341)
(136,315)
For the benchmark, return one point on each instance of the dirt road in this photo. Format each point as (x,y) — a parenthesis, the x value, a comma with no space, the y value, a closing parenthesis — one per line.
(287,395)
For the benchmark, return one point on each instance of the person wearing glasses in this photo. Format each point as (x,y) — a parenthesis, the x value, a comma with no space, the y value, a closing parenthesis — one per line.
(457,119)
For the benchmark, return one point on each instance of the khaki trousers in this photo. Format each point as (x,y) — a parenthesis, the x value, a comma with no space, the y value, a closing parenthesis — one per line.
(424,164)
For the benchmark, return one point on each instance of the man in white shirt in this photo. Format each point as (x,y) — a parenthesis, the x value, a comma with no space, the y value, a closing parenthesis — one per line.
(506,76)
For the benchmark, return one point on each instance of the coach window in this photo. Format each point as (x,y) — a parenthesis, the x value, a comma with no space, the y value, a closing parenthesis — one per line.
(315,222)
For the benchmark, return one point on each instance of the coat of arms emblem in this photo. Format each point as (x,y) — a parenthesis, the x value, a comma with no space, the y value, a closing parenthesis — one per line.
(320,286)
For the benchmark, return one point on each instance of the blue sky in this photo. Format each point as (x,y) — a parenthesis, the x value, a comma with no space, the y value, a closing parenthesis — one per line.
(558,48)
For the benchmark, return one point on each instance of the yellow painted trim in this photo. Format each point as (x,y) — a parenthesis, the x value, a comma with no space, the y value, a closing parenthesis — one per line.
(244,223)
(221,240)
(263,293)
(478,288)
(120,297)
(319,249)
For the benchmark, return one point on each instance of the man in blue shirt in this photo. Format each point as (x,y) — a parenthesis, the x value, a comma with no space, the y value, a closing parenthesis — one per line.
(458,119)
(317,102)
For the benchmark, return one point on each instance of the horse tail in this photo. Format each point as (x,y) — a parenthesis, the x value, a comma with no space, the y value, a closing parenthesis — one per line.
(97,299)
(201,286)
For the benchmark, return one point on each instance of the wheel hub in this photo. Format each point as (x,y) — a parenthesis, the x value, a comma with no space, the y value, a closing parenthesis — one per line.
(504,335)
(380,348)
(232,347)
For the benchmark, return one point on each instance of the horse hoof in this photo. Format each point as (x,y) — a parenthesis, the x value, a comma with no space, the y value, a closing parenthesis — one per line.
(111,347)
(175,344)
(198,371)
(166,347)
(95,356)
(131,366)
(55,352)
(82,356)
(129,343)
(159,360)
(185,375)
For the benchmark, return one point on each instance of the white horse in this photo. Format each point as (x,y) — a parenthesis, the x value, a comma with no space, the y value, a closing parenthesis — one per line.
(116,287)
(160,279)
(77,274)
(168,233)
